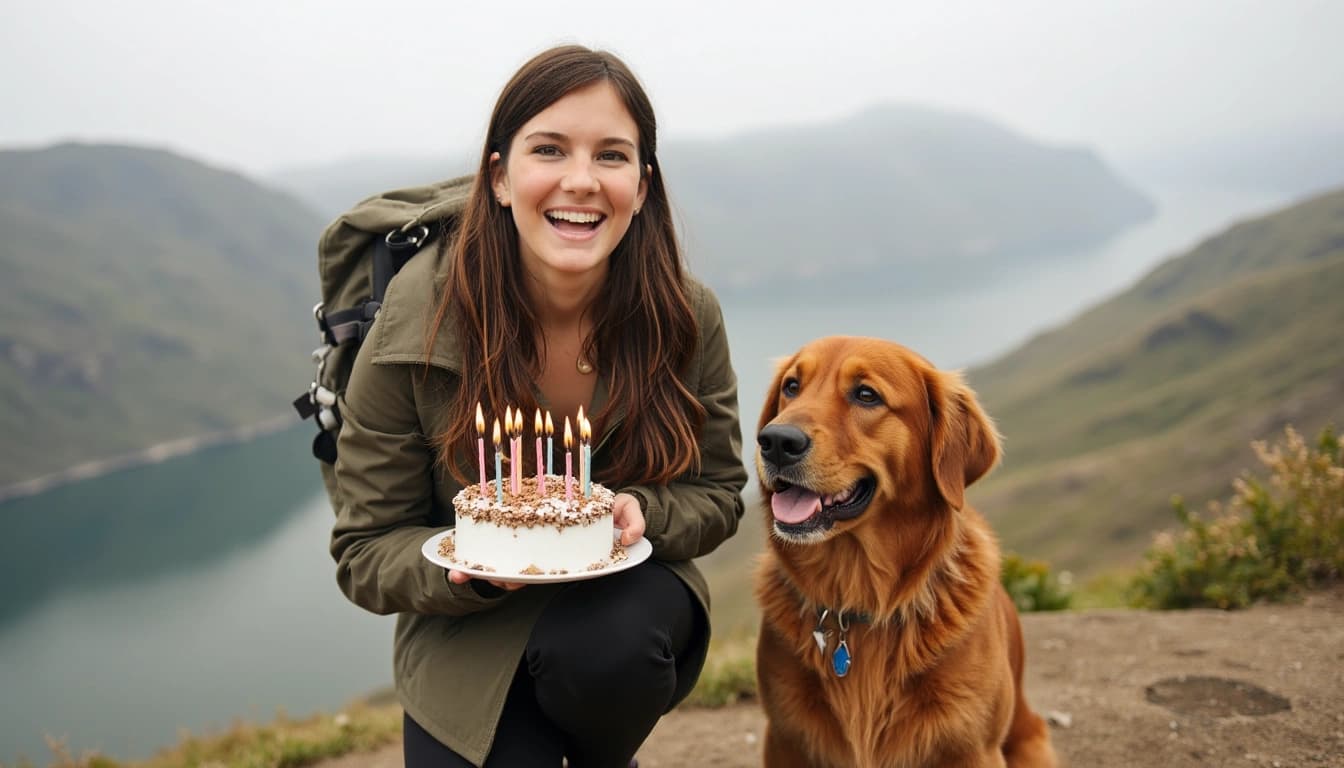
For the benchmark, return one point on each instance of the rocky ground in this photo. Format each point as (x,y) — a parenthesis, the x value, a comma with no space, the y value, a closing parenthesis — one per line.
(1260,687)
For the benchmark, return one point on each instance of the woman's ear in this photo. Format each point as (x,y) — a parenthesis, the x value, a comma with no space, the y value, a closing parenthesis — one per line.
(499,181)
(643,187)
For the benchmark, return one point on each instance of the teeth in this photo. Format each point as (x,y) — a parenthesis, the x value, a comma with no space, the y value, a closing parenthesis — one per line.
(574,217)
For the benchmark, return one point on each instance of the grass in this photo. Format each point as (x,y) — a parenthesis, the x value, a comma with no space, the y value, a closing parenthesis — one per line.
(283,743)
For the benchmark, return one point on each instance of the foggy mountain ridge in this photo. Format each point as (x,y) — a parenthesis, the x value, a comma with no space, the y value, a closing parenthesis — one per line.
(1161,389)
(928,198)
(153,298)
(149,298)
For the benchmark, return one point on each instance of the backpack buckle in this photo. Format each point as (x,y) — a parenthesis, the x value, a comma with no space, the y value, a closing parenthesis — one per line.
(409,236)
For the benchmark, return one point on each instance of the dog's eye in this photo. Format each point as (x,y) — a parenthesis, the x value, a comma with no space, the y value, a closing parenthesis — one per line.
(866,395)
(791,387)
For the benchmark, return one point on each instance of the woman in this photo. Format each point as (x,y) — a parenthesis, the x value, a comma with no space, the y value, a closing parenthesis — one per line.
(562,286)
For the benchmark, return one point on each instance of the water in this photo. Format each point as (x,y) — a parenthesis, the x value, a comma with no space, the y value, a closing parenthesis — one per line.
(117,638)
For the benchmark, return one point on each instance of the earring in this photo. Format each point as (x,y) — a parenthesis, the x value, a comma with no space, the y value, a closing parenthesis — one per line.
(636,212)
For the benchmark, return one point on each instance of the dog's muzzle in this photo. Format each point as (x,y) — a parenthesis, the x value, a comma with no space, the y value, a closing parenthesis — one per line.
(783,445)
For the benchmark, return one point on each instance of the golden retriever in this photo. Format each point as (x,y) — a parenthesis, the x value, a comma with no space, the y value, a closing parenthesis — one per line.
(886,638)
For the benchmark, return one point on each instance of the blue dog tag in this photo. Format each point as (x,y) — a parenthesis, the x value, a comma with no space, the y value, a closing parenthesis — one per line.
(840,660)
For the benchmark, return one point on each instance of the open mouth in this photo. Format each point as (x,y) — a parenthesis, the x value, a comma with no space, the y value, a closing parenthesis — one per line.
(798,509)
(575,222)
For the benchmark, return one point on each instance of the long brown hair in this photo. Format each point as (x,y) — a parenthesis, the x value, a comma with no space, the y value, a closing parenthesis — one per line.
(644,329)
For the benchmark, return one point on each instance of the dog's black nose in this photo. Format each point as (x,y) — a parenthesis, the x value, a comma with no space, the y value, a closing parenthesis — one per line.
(783,444)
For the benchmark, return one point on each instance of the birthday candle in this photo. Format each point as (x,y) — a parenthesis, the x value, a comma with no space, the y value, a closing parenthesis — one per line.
(586,456)
(569,462)
(550,428)
(578,424)
(499,477)
(480,445)
(541,475)
(513,449)
(518,450)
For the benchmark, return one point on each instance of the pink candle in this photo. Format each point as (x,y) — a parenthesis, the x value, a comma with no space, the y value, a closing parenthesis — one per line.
(569,462)
(541,467)
(518,448)
(480,445)
(578,424)
(513,451)
(499,475)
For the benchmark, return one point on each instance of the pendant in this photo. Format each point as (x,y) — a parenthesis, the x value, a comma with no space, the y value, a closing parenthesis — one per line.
(820,637)
(584,366)
(840,660)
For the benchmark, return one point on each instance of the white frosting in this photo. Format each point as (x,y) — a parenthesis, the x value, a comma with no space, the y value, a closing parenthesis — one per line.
(526,535)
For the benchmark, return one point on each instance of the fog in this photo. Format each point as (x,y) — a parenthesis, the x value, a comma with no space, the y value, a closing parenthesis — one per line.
(261,86)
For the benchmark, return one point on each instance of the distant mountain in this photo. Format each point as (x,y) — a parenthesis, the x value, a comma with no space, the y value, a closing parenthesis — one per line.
(896,200)
(147,298)
(1159,390)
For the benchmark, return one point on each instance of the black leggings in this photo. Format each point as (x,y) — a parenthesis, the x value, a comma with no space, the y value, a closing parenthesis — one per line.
(598,672)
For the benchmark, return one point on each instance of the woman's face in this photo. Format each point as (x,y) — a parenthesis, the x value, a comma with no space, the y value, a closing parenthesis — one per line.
(573,182)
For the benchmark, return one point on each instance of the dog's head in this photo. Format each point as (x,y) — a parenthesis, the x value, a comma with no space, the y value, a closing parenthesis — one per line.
(856,428)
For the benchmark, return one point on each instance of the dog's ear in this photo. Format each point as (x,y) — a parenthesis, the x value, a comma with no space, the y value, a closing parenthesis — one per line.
(964,443)
(771,407)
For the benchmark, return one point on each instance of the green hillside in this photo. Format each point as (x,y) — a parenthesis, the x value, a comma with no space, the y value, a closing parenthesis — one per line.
(891,200)
(1160,390)
(147,298)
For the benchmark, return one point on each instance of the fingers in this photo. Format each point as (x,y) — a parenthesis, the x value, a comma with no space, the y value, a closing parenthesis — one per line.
(629,517)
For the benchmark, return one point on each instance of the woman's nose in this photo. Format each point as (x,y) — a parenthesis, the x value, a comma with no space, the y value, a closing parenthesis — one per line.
(579,178)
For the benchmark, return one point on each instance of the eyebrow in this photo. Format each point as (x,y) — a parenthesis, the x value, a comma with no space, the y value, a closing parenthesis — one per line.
(556,136)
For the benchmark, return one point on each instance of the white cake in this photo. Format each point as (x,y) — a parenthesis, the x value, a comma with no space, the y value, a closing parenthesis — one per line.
(530,534)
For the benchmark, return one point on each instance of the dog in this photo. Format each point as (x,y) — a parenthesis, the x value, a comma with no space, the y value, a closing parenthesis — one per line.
(886,638)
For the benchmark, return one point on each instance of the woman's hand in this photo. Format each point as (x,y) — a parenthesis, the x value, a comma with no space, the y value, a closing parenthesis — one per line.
(458,577)
(629,517)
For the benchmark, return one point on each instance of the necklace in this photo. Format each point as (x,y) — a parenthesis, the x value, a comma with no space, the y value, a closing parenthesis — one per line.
(584,366)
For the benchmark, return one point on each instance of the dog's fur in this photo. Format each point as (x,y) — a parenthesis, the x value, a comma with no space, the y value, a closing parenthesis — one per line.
(937,648)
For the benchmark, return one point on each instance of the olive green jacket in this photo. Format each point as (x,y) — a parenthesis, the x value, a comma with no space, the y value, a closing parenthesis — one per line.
(455,652)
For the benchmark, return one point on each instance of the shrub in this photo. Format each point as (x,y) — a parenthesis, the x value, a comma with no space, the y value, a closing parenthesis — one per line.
(1272,539)
(1032,586)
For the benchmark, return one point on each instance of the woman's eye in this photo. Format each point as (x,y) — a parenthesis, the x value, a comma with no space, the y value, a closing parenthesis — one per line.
(547,150)
(866,395)
(791,387)
(612,156)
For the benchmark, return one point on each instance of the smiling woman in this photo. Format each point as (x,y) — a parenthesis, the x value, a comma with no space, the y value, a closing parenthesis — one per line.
(562,289)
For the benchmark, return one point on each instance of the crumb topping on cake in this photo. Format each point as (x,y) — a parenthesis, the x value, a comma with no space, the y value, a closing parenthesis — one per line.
(528,509)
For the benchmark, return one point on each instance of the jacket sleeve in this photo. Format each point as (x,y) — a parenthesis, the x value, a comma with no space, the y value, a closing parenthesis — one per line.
(384,479)
(695,513)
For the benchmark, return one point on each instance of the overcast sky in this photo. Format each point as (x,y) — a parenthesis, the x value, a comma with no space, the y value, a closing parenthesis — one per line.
(260,85)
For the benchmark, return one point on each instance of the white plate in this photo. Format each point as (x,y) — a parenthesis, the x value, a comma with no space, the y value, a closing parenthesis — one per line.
(634,555)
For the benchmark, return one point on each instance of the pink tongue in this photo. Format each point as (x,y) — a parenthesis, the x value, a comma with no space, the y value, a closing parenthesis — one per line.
(795,505)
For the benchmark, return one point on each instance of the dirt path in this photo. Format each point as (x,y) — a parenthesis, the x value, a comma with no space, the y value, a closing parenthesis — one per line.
(1261,687)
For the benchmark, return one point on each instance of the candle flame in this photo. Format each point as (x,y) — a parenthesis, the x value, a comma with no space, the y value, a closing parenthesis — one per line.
(508,420)
(585,430)
(480,421)
(569,436)
(538,423)
(498,439)
(518,423)
(550,425)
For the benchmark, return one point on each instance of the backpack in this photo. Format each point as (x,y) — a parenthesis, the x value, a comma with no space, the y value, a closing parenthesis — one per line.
(357,256)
